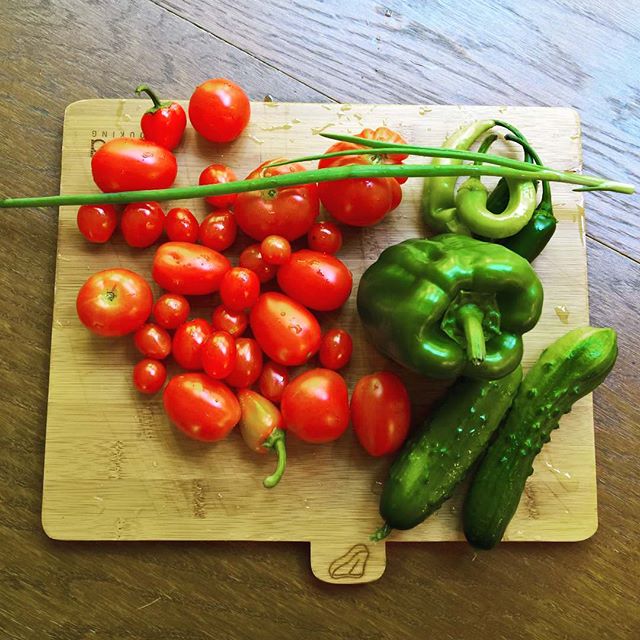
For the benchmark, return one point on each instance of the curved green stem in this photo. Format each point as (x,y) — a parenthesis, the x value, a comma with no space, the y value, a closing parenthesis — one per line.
(472,317)
(146,89)
(381,533)
(276,441)
(516,132)
(546,189)
(484,147)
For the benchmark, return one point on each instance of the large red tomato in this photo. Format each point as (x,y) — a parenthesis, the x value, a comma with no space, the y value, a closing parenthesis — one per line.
(114,302)
(203,408)
(189,269)
(285,330)
(288,211)
(380,412)
(315,406)
(131,164)
(317,280)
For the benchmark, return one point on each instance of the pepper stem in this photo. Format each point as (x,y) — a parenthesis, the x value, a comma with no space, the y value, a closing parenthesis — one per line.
(546,189)
(472,317)
(381,533)
(484,147)
(276,441)
(144,88)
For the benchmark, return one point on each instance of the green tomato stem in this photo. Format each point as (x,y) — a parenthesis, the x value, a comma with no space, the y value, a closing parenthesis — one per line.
(276,441)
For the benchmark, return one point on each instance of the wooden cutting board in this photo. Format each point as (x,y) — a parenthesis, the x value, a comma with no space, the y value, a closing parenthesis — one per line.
(115,469)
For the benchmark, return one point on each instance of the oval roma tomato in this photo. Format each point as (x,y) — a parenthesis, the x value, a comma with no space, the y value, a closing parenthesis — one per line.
(248,364)
(251,258)
(97,222)
(315,406)
(218,354)
(171,310)
(188,269)
(288,211)
(149,376)
(114,302)
(181,225)
(285,330)
(142,223)
(187,343)
(132,164)
(152,341)
(239,289)
(380,412)
(219,110)
(233,322)
(203,408)
(335,349)
(325,237)
(219,174)
(273,380)
(317,280)
(218,230)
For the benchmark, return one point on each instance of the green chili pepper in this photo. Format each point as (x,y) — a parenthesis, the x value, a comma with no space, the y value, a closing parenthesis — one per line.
(451,305)
(438,195)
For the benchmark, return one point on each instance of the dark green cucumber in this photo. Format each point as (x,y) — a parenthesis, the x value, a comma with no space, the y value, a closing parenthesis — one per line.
(437,458)
(567,370)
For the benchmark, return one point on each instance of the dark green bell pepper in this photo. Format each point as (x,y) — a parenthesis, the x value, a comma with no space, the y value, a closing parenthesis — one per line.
(450,305)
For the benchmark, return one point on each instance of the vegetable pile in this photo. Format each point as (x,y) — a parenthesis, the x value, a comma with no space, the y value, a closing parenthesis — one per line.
(456,305)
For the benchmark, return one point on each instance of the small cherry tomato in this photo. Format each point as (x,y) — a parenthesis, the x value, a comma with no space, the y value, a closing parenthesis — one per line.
(325,237)
(203,408)
(163,123)
(315,406)
(187,343)
(131,164)
(218,230)
(286,211)
(233,322)
(275,250)
(335,349)
(97,222)
(114,302)
(188,269)
(181,225)
(239,289)
(219,110)
(285,330)
(317,280)
(251,258)
(273,380)
(218,354)
(219,174)
(152,341)
(171,310)
(381,412)
(149,376)
(248,364)
(142,223)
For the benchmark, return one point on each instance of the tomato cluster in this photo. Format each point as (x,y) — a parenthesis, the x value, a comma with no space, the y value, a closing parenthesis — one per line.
(220,361)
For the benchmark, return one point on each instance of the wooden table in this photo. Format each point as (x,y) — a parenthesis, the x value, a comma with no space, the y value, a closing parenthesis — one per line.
(550,52)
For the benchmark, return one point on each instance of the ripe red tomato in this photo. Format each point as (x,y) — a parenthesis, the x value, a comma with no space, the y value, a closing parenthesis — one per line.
(219,110)
(381,412)
(275,250)
(239,289)
(315,406)
(285,330)
(251,258)
(335,349)
(233,322)
(288,211)
(218,230)
(317,280)
(131,164)
(273,380)
(219,174)
(114,302)
(203,408)
(152,341)
(189,269)
(181,225)
(248,364)
(97,222)
(218,354)
(149,376)
(142,223)
(325,237)
(365,201)
(171,310)
(187,343)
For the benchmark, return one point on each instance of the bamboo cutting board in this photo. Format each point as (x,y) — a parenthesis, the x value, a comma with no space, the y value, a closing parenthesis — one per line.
(115,469)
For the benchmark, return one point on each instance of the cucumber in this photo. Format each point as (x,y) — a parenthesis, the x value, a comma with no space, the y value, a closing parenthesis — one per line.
(567,370)
(439,455)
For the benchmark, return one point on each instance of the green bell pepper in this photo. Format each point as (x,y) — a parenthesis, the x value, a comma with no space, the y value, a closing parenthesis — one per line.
(450,305)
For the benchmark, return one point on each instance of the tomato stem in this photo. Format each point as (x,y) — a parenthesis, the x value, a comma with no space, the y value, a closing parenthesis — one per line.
(276,441)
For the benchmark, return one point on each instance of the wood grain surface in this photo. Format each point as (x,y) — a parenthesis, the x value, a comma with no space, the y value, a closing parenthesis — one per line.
(580,53)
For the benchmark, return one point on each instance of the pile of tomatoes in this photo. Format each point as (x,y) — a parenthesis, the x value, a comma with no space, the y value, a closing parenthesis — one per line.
(257,331)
